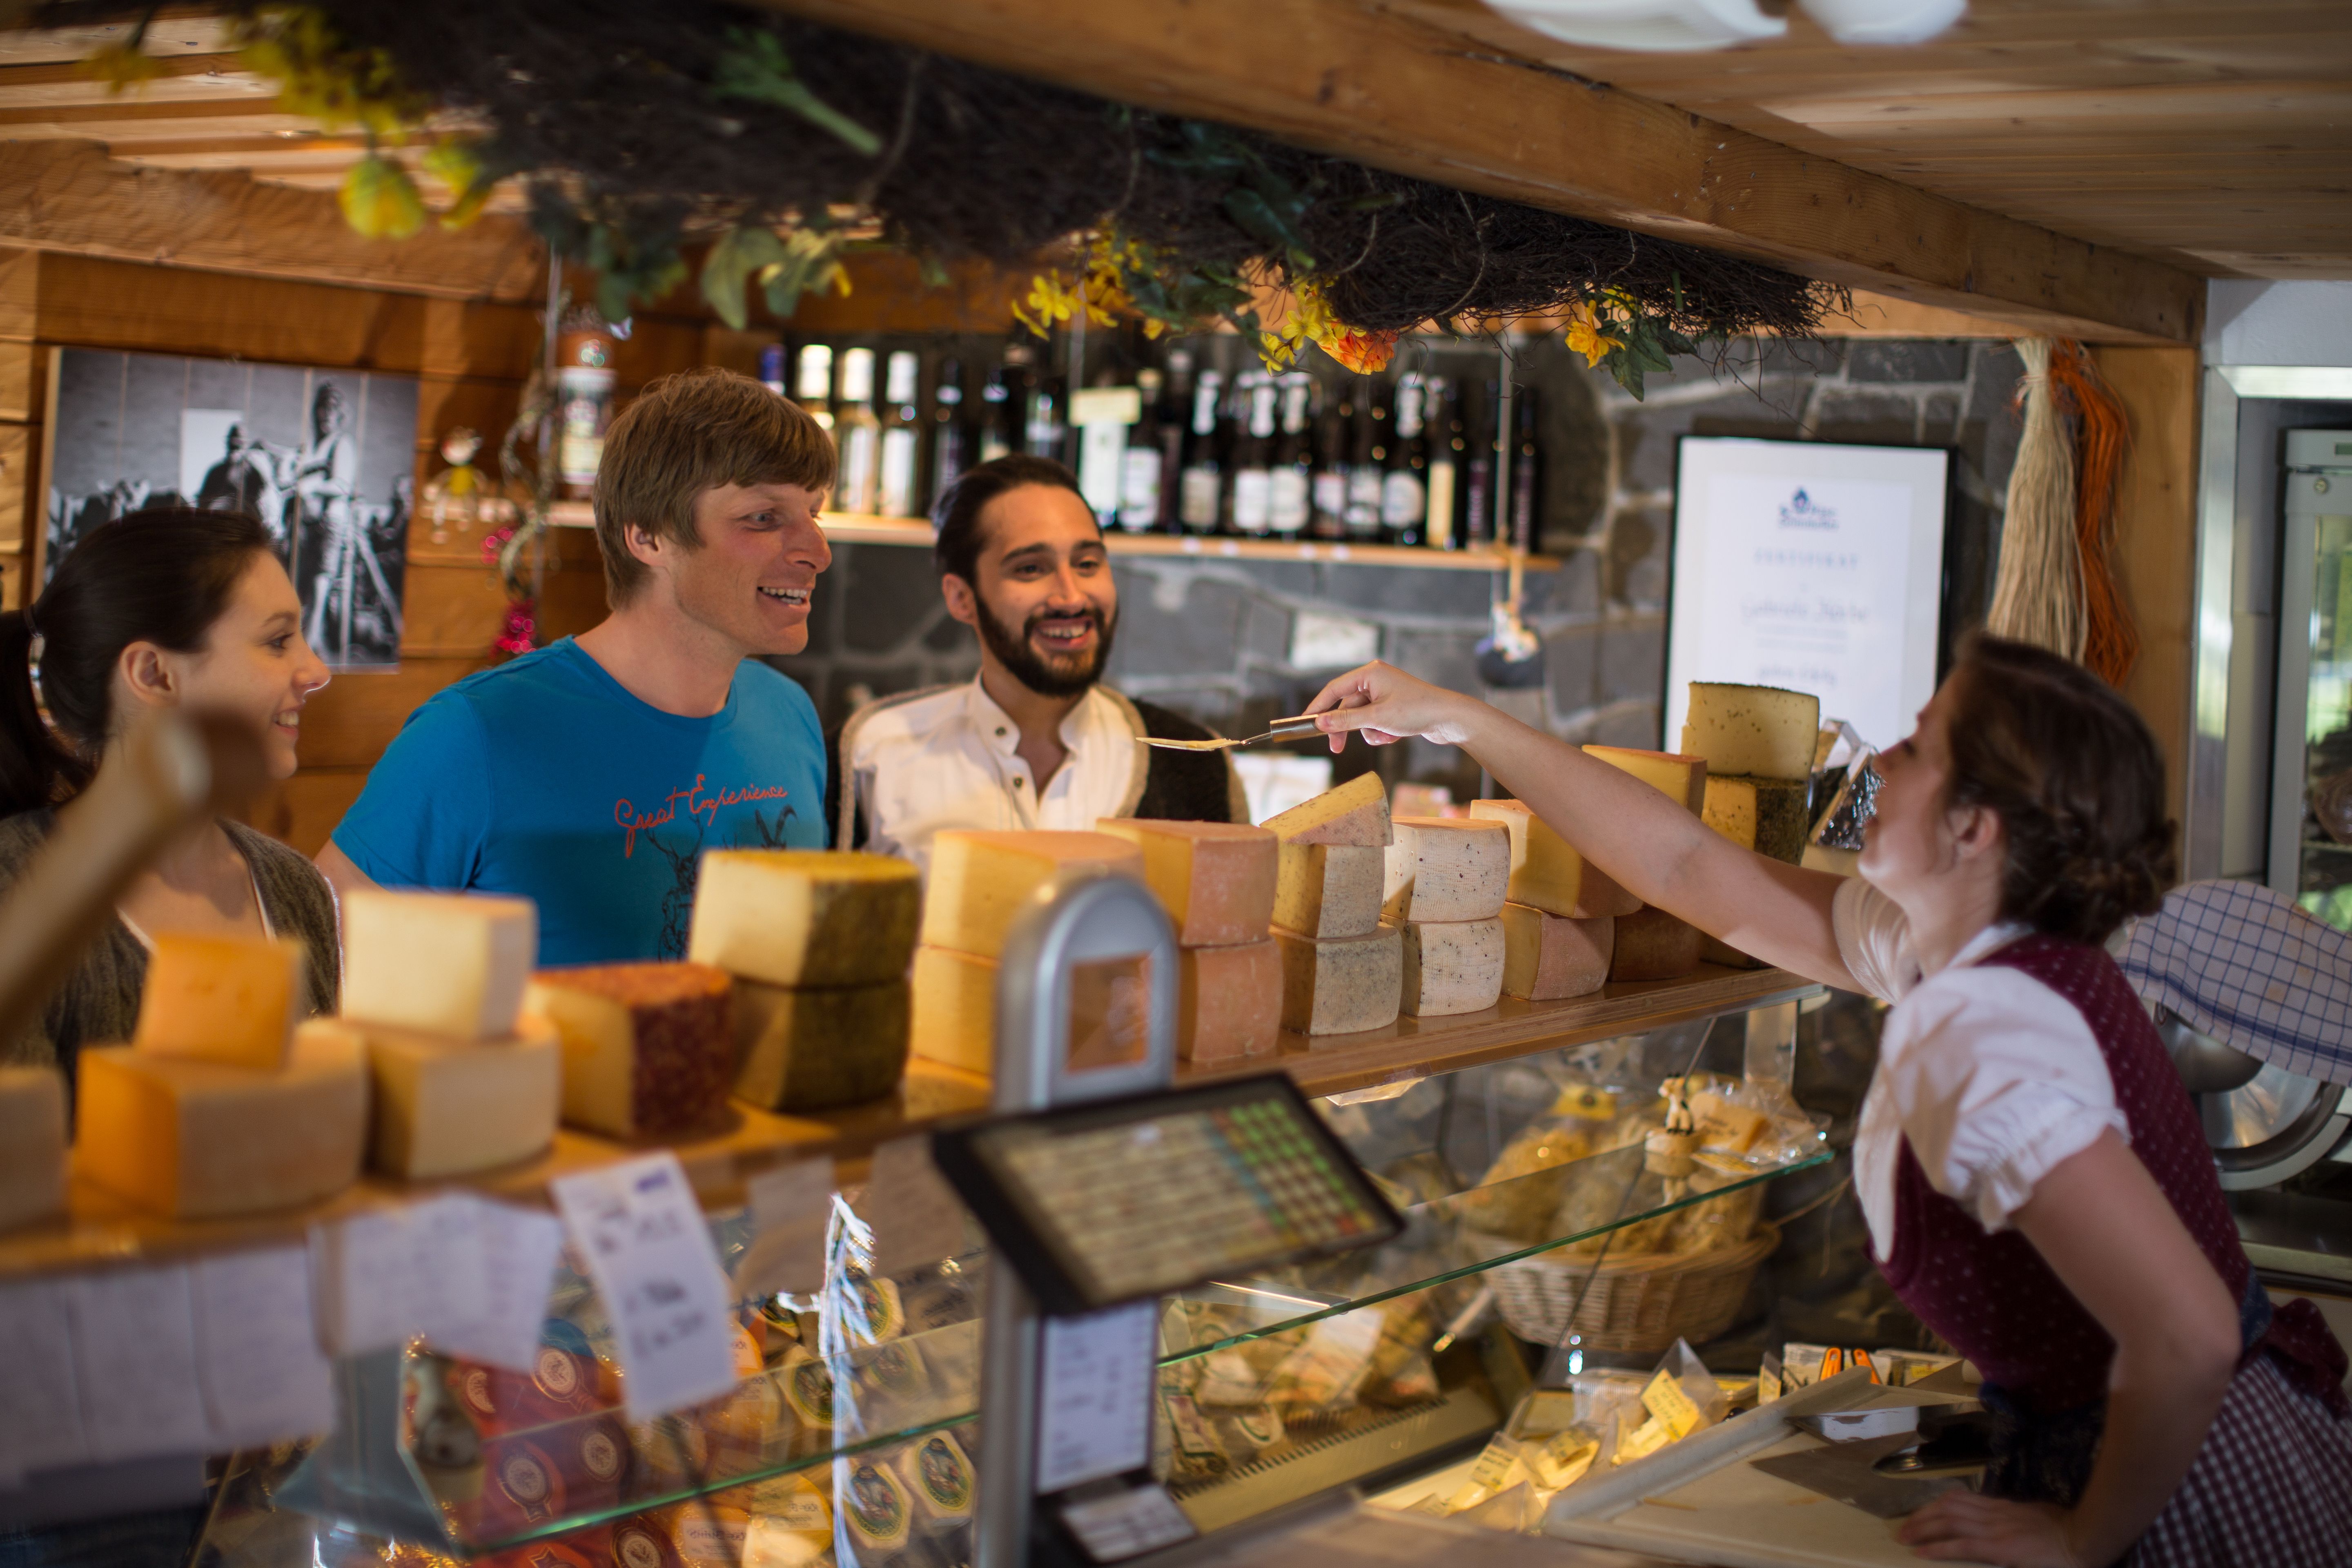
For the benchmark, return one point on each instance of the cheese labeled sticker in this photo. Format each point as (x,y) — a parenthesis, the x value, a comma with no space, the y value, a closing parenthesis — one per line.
(1666,1399)
(874,1504)
(938,1469)
(1497,1467)
(1562,1459)
(1586,1103)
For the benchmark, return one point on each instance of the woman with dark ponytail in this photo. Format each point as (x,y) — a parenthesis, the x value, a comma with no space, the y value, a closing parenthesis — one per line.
(157,609)
(2035,1181)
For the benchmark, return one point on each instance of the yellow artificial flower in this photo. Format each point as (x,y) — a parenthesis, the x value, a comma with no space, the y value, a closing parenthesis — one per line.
(1585,336)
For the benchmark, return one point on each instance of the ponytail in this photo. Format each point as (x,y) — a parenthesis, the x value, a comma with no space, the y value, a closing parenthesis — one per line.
(163,576)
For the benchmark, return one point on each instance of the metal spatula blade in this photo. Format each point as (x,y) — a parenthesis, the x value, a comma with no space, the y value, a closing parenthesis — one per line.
(1284,730)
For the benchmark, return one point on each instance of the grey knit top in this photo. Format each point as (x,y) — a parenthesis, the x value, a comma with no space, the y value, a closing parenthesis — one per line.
(98,1003)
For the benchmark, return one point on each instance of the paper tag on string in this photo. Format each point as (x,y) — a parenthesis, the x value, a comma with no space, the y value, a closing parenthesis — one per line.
(789,1208)
(1665,1398)
(134,1333)
(915,1215)
(44,1425)
(640,1232)
(517,1251)
(264,1378)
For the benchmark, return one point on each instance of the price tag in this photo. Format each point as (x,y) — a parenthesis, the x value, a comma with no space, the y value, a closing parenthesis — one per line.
(1665,1398)
(791,1206)
(1124,1524)
(385,1277)
(43,1425)
(134,1333)
(1094,1416)
(642,1234)
(258,1356)
(517,1250)
(917,1217)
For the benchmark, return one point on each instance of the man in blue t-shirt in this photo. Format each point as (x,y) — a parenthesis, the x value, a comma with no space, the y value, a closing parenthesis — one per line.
(589,775)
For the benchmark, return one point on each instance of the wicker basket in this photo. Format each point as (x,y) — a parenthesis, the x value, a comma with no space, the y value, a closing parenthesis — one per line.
(1638,1303)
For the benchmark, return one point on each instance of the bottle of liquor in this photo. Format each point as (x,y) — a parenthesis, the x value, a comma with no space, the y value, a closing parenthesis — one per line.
(902,434)
(1139,465)
(1290,504)
(1368,455)
(813,383)
(1253,496)
(1175,428)
(947,434)
(1527,469)
(1201,491)
(1004,404)
(1480,401)
(1330,490)
(1045,428)
(857,438)
(771,370)
(1404,486)
(1445,443)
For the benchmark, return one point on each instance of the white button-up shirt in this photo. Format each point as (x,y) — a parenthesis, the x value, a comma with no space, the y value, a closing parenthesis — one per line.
(947,758)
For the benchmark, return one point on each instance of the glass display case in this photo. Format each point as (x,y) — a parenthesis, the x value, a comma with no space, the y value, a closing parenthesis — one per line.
(2311,816)
(1530,1203)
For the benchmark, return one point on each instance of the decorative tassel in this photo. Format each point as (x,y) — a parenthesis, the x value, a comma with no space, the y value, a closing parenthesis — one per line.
(2110,640)
(2037,590)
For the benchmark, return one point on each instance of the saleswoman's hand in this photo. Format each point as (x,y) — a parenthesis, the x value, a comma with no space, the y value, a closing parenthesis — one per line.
(1385,705)
(1964,1526)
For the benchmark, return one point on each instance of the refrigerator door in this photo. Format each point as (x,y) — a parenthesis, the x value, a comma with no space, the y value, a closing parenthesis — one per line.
(2311,808)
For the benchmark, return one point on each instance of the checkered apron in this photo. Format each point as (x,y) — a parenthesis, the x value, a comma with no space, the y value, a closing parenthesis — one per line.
(2271,1489)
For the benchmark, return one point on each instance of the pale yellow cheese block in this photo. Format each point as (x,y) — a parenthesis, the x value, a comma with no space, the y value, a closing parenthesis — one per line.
(1343,986)
(1356,812)
(229,999)
(1216,879)
(1654,945)
(811,1049)
(1329,889)
(1445,869)
(448,963)
(1765,730)
(199,1140)
(1678,778)
(1547,871)
(954,1016)
(1548,958)
(1229,1002)
(32,1145)
(440,1107)
(805,917)
(982,880)
(1451,966)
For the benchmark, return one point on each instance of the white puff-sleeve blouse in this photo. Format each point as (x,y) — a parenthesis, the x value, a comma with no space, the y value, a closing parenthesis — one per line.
(1993,1077)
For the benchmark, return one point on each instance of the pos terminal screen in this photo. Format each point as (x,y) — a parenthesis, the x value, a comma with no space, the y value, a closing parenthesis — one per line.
(1116,1202)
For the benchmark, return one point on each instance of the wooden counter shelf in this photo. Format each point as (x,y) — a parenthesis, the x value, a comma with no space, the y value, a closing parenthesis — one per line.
(102,1230)
(850,527)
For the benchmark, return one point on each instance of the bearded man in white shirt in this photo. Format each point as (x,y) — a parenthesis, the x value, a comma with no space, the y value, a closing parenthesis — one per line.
(1037,740)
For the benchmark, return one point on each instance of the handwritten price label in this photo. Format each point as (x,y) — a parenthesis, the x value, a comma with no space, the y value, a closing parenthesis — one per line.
(640,1233)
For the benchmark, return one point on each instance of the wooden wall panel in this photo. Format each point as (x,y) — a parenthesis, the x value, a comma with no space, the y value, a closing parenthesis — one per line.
(20,458)
(96,303)
(304,809)
(24,374)
(350,722)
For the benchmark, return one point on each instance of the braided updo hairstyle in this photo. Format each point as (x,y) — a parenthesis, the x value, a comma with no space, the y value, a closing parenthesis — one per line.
(2076,780)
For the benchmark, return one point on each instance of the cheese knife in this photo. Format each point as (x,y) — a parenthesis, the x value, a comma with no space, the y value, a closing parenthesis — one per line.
(1282,730)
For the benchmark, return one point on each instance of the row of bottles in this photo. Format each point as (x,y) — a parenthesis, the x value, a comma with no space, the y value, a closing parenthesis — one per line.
(1414,459)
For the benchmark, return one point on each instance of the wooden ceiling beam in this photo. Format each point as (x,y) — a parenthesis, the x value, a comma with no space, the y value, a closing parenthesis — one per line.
(1341,77)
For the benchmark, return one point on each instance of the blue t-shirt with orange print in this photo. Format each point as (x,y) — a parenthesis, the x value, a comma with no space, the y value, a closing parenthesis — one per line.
(545,777)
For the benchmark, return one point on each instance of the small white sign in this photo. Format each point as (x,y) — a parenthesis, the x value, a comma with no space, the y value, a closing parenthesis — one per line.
(134,1333)
(1331,642)
(43,1426)
(641,1233)
(385,1277)
(265,1379)
(517,1251)
(1094,1416)
(1126,1524)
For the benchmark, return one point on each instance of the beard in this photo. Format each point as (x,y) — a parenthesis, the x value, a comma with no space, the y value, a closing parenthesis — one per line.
(1047,676)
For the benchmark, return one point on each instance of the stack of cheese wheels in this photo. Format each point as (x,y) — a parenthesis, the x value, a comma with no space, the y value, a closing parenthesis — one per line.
(1216,881)
(1559,927)
(1342,970)
(1651,944)
(1444,889)
(215,1106)
(818,943)
(32,1145)
(648,1048)
(433,987)
(1759,744)
(981,881)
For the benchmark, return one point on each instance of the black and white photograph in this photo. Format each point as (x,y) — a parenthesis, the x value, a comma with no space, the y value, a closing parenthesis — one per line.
(325,458)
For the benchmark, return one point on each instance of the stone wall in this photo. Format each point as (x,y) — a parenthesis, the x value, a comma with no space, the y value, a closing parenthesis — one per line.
(1213,637)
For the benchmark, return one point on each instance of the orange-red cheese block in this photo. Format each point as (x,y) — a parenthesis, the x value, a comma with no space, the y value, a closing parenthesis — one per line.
(1214,879)
(982,880)
(1229,1002)
(232,999)
(1546,957)
(1654,945)
(1678,778)
(648,1048)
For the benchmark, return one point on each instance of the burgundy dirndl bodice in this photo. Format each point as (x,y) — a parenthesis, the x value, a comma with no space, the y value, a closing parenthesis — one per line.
(1990,1296)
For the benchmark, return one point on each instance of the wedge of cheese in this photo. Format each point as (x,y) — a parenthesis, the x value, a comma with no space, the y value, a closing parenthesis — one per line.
(1445,869)
(982,880)
(451,963)
(202,1139)
(1229,1002)
(1451,966)
(1652,944)
(441,1107)
(1678,778)
(806,917)
(1329,889)
(648,1048)
(1548,958)
(229,999)
(1761,731)
(1216,879)
(1547,872)
(808,1049)
(32,1146)
(1356,813)
(954,1017)
(1342,985)
(1767,816)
